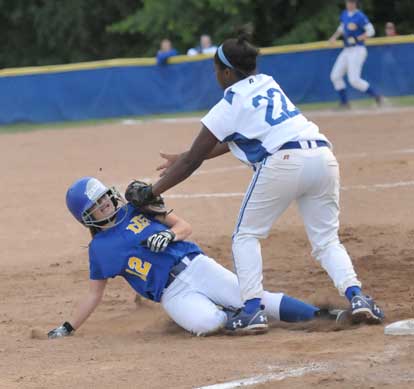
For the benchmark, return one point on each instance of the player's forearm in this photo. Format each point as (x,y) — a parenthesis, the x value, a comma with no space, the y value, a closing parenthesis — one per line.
(335,36)
(337,33)
(182,168)
(362,37)
(181,229)
(219,149)
(84,309)
(188,162)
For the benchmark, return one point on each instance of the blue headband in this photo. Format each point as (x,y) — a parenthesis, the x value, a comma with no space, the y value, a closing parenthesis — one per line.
(223,58)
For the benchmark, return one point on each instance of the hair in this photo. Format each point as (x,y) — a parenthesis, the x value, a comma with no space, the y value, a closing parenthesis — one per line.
(240,53)
(94,231)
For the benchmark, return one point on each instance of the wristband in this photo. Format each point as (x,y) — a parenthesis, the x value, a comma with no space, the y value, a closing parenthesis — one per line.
(68,327)
(172,235)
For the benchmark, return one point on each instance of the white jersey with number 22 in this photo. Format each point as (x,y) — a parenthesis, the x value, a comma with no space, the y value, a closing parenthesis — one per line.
(256,118)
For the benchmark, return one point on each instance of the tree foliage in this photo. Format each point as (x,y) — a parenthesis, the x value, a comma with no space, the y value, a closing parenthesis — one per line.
(38,32)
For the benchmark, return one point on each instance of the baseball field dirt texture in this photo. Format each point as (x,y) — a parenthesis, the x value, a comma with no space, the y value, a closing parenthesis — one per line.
(128,344)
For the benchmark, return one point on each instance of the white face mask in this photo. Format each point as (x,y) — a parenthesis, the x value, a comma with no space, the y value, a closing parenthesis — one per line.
(94,193)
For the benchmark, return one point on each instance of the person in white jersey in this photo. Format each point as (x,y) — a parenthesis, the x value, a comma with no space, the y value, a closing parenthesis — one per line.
(355,28)
(292,160)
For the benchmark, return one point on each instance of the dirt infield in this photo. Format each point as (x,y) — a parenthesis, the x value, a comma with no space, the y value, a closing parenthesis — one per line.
(44,268)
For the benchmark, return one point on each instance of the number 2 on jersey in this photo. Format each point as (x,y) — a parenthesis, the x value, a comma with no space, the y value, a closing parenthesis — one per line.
(285,114)
(138,267)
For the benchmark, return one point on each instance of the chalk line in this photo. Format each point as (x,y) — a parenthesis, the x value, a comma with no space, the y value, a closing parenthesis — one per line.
(260,379)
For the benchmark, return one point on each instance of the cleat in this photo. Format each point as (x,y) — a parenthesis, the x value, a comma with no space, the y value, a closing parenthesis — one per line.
(364,310)
(242,323)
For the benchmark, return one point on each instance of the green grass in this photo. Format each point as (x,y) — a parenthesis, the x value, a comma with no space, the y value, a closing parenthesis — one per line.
(26,127)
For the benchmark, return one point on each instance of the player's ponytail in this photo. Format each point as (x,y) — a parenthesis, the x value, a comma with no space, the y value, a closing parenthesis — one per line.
(238,54)
(243,36)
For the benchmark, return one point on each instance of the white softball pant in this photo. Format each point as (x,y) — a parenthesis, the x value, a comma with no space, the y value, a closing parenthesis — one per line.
(192,298)
(311,177)
(350,61)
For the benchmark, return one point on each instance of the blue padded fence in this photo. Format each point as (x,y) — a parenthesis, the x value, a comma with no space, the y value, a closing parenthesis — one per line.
(106,91)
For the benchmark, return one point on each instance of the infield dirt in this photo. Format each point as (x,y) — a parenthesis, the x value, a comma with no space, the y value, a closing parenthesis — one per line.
(44,267)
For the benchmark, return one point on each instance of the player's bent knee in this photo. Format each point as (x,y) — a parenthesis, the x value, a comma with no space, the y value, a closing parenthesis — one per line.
(208,324)
(357,83)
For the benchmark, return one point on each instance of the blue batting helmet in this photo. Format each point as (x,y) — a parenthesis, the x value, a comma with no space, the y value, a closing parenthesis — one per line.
(83,194)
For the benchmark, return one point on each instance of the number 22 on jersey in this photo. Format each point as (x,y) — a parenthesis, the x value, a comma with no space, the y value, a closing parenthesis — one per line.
(285,113)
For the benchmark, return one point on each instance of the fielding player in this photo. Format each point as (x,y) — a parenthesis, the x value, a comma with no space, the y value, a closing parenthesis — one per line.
(355,28)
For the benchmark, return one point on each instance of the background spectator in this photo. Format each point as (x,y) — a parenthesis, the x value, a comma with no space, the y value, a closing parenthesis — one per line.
(390,29)
(166,51)
(206,46)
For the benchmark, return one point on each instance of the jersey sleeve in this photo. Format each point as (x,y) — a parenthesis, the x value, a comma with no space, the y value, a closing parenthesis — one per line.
(220,120)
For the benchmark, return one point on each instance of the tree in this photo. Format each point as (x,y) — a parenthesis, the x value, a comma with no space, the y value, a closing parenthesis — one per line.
(40,32)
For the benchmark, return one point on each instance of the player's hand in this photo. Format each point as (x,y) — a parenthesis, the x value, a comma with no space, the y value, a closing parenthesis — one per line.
(159,242)
(65,329)
(169,160)
(361,38)
(332,41)
(351,40)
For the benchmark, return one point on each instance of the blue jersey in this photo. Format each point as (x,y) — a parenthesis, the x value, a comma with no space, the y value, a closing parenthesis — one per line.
(353,26)
(118,251)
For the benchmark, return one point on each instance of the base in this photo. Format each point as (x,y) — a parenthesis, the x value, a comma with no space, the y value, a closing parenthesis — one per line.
(403,327)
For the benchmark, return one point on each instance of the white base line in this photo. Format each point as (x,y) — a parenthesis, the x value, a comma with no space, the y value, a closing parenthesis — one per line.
(240,194)
(260,379)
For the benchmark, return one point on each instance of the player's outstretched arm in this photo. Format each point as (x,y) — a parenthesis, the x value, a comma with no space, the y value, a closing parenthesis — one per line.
(181,228)
(178,229)
(336,34)
(83,310)
(187,162)
(219,149)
